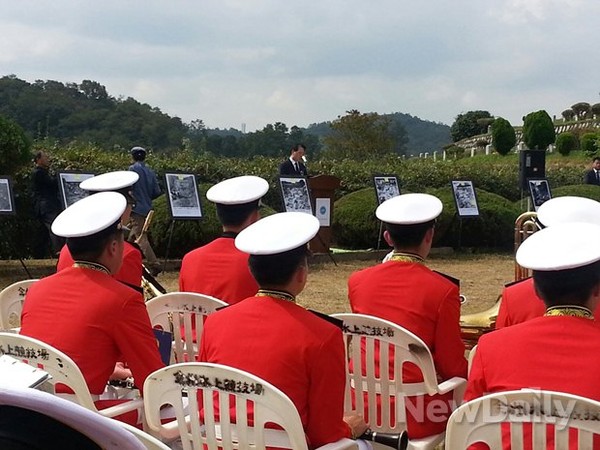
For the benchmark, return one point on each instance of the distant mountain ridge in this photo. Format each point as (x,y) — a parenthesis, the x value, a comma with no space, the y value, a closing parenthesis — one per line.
(423,135)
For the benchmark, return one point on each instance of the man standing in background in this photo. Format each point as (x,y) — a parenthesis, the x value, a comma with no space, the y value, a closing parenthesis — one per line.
(145,190)
(593,176)
(46,205)
(294,165)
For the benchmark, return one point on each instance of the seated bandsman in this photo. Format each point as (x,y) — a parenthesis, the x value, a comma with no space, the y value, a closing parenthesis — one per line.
(270,336)
(130,272)
(519,299)
(558,351)
(219,269)
(405,291)
(83,310)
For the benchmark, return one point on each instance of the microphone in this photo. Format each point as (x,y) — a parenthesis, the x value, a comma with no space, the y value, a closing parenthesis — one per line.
(396,441)
(304,159)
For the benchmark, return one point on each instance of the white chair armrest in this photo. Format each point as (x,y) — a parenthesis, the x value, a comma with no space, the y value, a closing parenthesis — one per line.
(342,444)
(125,407)
(451,384)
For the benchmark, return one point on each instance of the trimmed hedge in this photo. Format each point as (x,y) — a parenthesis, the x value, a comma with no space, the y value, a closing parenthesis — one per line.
(355,225)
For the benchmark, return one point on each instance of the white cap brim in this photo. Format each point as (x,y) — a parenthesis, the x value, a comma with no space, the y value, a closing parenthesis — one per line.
(111,181)
(560,247)
(238,190)
(569,209)
(409,209)
(277,233)
(90,215)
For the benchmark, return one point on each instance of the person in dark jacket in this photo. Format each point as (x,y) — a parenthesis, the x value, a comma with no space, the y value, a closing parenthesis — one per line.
(46,204)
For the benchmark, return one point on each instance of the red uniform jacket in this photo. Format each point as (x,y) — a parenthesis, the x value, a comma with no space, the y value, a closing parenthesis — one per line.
(218,269)
(293,349)
(520,303)
(129,273)
(95,320)
(423,302)
(556,353)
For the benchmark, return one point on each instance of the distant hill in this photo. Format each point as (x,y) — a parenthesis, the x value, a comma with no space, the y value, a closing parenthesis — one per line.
(423,135)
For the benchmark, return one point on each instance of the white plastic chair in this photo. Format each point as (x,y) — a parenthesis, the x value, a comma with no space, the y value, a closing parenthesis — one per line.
(106,433)
(480,420)
(174,384)
(175,312)
(407,348)
(63,370)
(11,303)
(471,358)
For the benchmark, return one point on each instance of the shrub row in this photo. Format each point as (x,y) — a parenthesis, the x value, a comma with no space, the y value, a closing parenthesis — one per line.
(494,174)
(355,225)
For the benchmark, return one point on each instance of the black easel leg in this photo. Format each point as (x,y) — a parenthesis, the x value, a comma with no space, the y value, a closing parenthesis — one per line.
(168,245)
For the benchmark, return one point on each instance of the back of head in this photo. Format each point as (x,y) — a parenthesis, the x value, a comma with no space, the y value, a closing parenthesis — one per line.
(565,260)
(90,224)
(408,217)
(138,153)
(277,246)
(237,198)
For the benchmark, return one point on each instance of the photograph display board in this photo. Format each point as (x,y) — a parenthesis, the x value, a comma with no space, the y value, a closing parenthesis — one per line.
(295,194)
(540,192)
(182,196)
(68,183)
(386,187)
(7,200)
(465,198)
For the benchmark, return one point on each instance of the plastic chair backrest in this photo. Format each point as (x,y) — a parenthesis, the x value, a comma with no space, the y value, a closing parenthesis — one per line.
(481,419)
(377,335)
(61,367)
(234,387)
(182,313)
(106,433)
(11,303)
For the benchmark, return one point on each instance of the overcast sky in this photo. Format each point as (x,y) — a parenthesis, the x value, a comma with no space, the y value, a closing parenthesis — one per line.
(256,62)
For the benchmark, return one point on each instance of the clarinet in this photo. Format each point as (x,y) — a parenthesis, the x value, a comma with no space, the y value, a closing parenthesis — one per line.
(395,441)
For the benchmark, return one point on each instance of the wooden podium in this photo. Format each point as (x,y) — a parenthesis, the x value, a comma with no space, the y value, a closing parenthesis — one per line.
(322,190)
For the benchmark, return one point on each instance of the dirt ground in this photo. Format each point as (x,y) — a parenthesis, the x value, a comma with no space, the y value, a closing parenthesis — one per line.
(482,277)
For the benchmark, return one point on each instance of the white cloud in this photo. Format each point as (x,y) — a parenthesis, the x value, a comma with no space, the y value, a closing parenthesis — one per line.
(261,61)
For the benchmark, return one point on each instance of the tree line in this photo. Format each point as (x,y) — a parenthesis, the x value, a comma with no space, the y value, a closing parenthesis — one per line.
(86,112)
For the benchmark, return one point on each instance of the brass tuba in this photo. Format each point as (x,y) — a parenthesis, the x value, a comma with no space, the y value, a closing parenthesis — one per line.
(473,326)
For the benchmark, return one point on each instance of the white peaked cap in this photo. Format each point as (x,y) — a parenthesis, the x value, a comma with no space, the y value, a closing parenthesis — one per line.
(409,209)
(277,233)
(111,181)
(238,190)
(90,215)
(560,247)
(569,209)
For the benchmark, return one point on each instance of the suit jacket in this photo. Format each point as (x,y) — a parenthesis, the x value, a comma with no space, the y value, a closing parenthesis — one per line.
(130,272)
(590,178)
(94,319)
(290,347)
(218,269)
(551,353)
(521,303)
(425,303)
(287,168)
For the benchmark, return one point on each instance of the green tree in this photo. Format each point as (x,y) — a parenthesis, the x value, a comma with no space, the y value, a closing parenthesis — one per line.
(566,142)
(467,125)
(503,136)
(589,144)
(358,136)
(568,114)
(581,109)
(14,146)
(538,130)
